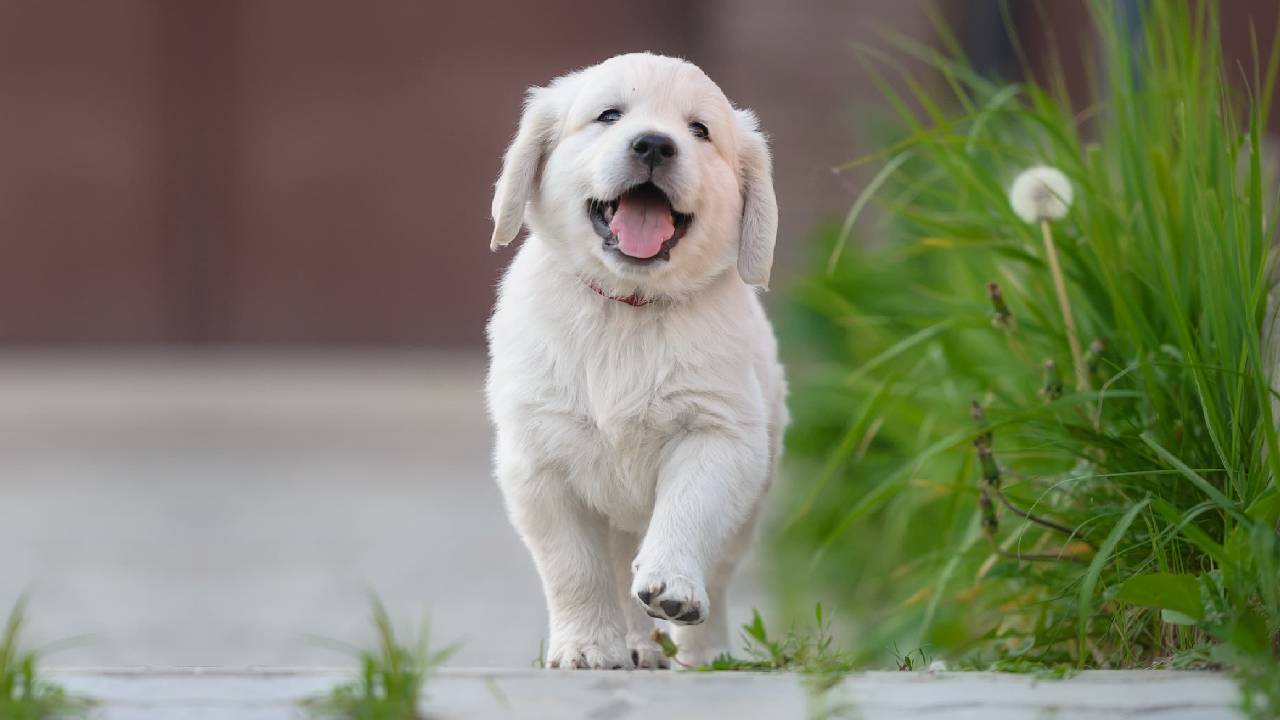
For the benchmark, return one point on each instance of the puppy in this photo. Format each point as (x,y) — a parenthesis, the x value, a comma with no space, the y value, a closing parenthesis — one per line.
(634,384)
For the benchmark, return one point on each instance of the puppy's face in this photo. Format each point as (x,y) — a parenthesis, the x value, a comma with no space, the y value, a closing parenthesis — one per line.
(640,176)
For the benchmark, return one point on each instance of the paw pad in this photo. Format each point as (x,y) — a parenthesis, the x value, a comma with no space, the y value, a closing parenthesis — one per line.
(678,600)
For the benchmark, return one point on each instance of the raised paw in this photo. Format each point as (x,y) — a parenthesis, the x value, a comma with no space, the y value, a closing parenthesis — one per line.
(588,656)
(676,598)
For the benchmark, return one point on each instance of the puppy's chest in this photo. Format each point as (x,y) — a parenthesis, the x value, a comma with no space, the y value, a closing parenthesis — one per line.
(623,413)
(610,428)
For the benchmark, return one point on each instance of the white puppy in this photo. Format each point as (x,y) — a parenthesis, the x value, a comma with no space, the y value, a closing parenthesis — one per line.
(634,382)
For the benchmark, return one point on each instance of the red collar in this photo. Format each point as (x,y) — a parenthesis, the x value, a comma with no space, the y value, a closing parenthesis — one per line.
(633,300)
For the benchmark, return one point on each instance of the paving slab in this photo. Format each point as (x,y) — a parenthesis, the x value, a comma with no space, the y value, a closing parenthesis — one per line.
(480,694)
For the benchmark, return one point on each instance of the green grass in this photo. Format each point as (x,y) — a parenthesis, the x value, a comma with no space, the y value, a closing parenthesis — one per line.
(24,694)
(809,650)
(391,679)
(949,493)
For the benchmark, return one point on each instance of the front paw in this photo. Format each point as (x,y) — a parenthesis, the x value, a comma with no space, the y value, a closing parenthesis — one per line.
(670,596)
(587,653)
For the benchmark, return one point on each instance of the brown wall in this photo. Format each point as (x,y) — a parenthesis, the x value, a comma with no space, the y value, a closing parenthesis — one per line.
(83,252)
(318,171)
(283,171)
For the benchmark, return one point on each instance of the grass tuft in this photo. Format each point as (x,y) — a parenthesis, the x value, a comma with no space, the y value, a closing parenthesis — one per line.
(24,695)
(392,676)
(960,485)
(809,650)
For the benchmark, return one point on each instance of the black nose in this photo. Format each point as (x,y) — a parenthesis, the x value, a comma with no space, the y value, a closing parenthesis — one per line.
(653,148)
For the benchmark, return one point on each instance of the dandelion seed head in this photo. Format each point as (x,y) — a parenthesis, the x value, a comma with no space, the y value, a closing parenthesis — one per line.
(1040,193)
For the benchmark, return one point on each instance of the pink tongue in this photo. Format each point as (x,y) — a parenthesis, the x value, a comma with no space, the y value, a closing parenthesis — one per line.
(642,223)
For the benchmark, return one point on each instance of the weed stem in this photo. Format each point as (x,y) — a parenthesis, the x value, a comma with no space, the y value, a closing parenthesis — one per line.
(1068,319)
(1035,518)
(1032,557)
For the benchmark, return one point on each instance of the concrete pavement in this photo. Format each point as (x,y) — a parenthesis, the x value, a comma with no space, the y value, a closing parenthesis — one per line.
(216,507)
(477,694)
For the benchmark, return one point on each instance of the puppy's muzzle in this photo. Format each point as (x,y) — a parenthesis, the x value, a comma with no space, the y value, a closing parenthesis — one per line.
(653,149)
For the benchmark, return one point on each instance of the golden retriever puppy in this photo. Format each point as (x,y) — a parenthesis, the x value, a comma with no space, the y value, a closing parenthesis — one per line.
(634,384)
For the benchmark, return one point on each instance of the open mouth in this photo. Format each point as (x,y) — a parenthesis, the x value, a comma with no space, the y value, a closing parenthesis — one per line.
(639,226)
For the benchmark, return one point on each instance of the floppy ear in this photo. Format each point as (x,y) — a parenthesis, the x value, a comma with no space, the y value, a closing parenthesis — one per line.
(520,167)
(759,205)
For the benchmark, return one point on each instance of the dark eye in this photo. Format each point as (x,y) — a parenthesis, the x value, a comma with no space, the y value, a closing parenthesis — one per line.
(611,115)
(699,130)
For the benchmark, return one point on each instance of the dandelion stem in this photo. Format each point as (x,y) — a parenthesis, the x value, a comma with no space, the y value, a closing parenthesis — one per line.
(1068,319)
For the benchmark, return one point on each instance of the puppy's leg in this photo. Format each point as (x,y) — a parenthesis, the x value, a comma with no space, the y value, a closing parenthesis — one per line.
(646,653)
(708,488)
(569,544)
(700,644)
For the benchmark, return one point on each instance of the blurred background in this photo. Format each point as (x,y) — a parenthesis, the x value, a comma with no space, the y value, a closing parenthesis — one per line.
(244,277)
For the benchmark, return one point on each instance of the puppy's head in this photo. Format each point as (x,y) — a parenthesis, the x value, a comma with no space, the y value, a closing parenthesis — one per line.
(639,174)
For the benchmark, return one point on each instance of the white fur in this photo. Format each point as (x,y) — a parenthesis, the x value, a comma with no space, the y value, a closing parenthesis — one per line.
(634,444)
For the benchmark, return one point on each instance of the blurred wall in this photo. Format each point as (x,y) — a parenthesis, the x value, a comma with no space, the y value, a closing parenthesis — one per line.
(318,171)
(84,251)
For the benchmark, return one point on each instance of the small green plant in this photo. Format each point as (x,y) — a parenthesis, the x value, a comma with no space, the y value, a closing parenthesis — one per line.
(912,660)
(809,651)
(540,660)
(24,695)
(391,680)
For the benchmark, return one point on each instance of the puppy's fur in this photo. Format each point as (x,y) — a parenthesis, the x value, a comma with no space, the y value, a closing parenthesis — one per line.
(635,439)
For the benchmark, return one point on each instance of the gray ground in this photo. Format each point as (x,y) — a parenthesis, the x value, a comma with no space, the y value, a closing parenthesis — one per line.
(214,508)
(468,694)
